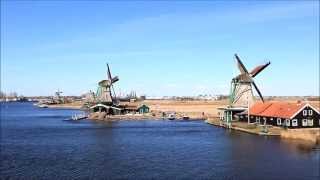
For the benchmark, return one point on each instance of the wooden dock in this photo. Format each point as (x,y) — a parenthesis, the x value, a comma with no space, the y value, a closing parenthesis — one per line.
(244,127)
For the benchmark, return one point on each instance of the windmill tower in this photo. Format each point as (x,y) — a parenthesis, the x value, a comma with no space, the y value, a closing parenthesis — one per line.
(58,98)
(241,86)
(105,92)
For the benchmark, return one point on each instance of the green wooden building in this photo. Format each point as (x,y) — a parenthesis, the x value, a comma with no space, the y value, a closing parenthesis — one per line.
(143,109)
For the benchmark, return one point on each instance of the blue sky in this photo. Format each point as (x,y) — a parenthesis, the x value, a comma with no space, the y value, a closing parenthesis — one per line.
(158,48)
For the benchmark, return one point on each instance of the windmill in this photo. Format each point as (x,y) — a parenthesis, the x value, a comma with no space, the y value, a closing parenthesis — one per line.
(58,93)
(58,97)
(241,86)
(105,92)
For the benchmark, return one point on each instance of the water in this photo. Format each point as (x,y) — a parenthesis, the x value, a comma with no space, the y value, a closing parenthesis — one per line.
(37,144)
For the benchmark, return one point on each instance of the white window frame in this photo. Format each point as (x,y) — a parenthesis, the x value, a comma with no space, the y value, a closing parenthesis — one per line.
(304,122)
(279,121)
(294,122)
(258,120)
(310,122)
(287,122)
(304,112)
(310,112)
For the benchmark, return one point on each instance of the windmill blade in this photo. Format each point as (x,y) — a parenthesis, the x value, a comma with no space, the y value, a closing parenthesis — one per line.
(241,67)
(109,73)
(115,79)
(258,69)
(256,87)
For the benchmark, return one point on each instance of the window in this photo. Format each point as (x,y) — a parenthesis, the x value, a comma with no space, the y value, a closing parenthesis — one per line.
(294,122)
(279,121)
(287,122)
(310,112)
(304,122)
(304,112)
(310,122)
(257,119)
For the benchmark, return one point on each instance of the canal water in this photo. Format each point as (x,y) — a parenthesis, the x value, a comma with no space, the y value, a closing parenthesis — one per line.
(37,144)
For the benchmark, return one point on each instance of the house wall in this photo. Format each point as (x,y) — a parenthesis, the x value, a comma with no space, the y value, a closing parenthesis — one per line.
(313,116)
(299,117)
(143,109)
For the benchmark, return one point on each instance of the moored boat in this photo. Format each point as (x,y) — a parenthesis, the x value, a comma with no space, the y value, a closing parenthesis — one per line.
(42,106)
(172,116)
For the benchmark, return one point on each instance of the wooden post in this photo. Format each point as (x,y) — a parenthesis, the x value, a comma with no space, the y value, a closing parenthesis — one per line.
(230,119)
(248,112)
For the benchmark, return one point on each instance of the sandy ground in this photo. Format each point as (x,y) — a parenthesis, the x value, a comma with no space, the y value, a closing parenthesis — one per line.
(73,105)
(193,109)
(196,108)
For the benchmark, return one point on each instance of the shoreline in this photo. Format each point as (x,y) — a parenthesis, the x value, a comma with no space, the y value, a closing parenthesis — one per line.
(306,138)
(77,105)
(103,117)
(199,110)
(64,107)
(243,127)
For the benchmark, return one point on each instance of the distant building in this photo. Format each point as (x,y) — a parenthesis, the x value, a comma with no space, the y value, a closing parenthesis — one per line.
(134,108)
(142,109)
(286,114)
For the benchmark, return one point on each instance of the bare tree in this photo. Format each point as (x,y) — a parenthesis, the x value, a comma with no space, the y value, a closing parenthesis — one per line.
(2,94)
(13,94)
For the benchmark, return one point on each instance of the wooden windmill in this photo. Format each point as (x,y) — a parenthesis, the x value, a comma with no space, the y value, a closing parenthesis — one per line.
(105,92)
(58,98)
(241,86)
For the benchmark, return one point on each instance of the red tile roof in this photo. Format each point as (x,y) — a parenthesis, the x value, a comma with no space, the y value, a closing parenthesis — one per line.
(276,109)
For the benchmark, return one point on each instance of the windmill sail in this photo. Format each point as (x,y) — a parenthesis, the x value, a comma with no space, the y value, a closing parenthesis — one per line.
(257,89)
(258,69)
(241,67)
(241,92)
(109,73)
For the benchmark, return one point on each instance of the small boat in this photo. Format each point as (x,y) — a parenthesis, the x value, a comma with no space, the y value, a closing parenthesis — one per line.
(185,117)
(172,116)
(42,106)
(78,117)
